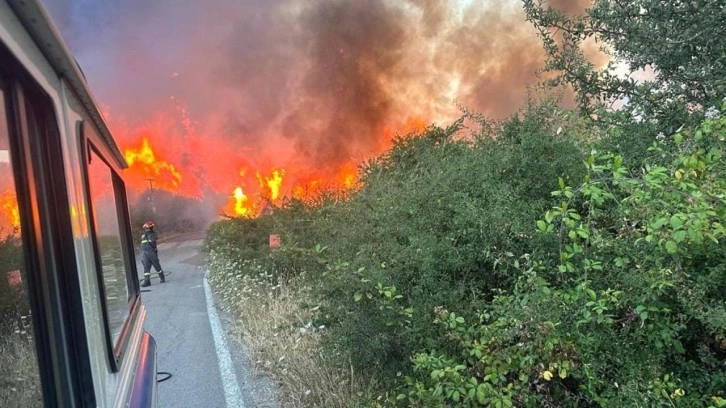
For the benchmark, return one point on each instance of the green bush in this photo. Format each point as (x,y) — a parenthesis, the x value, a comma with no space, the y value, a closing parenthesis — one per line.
(629,312)
(239,239)
(454,277)
(434,219)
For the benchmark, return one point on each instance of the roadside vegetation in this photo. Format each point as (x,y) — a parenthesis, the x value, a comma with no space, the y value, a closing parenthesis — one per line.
(558,258)
(19,377)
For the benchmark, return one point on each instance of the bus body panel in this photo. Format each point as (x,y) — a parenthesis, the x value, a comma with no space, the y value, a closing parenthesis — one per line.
(84,251)
(122,386)
(144,390)
(105,381)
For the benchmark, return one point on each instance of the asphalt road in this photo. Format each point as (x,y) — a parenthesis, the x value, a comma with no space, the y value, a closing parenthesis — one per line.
(208,367)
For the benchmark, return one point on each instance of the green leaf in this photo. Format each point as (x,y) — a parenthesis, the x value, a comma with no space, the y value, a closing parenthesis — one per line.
(659,223)
(549,216)
(591,294)
(481,394)
(541,225)
(676,221)
(671,247)
(679,236)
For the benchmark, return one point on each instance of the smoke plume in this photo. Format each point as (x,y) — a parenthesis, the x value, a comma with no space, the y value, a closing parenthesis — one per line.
(223,89)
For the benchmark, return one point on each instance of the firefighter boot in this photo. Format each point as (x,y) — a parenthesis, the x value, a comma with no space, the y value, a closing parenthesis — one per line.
(146,282)
(161,277)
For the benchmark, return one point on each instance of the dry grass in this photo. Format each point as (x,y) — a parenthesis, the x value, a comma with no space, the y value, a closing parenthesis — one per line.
(19,378)
(281,340)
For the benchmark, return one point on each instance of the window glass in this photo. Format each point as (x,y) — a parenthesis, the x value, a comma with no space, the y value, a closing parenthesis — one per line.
(108,238)
(19,375)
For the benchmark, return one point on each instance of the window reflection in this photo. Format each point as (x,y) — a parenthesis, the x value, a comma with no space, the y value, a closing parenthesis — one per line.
(19,376)
(108,236)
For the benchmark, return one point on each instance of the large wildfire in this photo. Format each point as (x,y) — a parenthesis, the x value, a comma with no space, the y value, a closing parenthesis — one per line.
(241,104)
(250,185)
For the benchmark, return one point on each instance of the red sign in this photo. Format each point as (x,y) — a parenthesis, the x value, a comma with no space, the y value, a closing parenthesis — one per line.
(274,241)
(14,278)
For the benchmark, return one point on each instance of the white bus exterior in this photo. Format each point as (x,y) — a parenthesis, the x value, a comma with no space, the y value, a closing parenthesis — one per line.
(71,331)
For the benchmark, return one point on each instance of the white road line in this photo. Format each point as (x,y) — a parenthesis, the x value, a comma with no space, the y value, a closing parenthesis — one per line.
(232,393)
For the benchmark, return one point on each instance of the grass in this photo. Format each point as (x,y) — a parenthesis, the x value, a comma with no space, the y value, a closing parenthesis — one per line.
(281,339)
(19,377)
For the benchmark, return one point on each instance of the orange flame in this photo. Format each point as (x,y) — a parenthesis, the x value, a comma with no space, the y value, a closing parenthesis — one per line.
(143,160)
(308,189)
(183,160)
(413,125)
(271,184)
(242,205)
(347,176)
(10,210)
(309,183)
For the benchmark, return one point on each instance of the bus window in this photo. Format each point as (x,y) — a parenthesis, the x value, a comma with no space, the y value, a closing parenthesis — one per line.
(109,243)
(19,374)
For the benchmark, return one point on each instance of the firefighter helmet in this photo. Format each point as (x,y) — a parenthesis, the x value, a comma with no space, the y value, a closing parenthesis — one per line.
(149,225)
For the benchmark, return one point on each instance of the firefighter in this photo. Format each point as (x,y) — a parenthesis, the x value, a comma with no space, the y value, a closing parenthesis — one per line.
(149,254)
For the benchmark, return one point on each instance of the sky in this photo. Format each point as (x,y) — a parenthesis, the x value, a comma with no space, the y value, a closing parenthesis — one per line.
(228,92)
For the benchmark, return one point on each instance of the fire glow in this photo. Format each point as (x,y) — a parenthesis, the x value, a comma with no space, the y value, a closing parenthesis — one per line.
(251,187)
(285,99)
(143,160)
(10,212)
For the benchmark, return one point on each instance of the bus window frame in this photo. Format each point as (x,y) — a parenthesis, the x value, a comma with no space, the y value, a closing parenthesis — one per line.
(89,142)
(35,142)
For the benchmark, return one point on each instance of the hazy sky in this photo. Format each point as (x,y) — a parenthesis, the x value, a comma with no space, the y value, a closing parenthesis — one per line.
(218,85)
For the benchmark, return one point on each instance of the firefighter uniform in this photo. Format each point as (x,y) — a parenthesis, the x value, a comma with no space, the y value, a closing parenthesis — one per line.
(149,254)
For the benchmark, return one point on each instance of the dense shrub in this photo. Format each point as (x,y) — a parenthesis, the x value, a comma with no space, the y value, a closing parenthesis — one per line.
(631,311)
(239,238)
(433,220)
(454,277)
(430,226)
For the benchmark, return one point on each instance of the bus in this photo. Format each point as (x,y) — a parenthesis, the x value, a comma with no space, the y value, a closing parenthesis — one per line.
(71,317)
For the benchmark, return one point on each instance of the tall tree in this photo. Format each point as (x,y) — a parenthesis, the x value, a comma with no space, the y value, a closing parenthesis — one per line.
(682,43)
